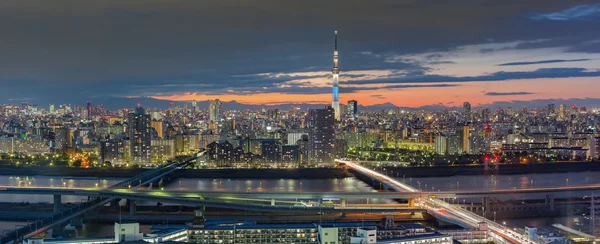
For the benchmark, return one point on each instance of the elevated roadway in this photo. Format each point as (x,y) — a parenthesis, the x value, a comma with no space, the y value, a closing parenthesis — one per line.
(62,216)
(526,192)
(197,199)
(440,208)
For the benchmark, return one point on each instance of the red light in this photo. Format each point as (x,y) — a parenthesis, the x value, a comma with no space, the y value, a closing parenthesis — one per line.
(486,158)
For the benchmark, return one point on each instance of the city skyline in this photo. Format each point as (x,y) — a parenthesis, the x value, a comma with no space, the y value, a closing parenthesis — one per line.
(486,53)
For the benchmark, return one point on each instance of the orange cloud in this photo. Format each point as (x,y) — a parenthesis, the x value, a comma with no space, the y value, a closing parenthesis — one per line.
(474,92)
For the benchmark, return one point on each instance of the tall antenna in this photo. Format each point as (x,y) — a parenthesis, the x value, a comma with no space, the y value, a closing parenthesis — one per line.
(335,39)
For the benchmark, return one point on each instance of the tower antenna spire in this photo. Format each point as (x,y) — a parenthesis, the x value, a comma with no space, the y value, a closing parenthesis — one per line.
(335,39)
(335,77)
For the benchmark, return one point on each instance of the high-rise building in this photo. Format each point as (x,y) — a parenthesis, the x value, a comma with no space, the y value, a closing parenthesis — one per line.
(194,106)
(352,109)
(321,126)
(214,110)
(562,112)
(88,110)
(464,134)
(63,139)
(485,115)
(467,112)
(51,109)
(112,151)
(290,154)
(293,136)
(159,127)
(271,151)
(551,109)
(140,136)
(162,150)
(336,75)
(441,145)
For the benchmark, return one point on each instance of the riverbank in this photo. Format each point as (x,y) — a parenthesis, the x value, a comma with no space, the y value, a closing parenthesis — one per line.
(302,173)
(505,169)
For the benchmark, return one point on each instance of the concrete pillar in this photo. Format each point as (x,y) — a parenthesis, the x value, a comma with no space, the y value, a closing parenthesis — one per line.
(131,204)
(485,202)
(411,202)
(343,203)
(550,201)
(272,201)
(57,203)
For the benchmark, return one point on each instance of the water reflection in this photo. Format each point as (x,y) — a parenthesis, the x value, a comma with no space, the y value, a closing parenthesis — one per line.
(478,182)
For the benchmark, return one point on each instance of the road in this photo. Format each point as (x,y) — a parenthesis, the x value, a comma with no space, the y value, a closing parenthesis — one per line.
(437,207)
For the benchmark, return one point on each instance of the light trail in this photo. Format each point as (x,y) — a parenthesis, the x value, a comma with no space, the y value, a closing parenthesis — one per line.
(467,217)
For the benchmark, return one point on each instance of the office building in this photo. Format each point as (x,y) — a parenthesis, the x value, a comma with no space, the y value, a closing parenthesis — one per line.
(140,136)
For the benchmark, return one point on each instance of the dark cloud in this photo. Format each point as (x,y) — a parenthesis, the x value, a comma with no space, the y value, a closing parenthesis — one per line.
(543,62)
(498,76)
(441,62)
(66,51)
(507,93)
(349,89)
(578,12)
(540,103)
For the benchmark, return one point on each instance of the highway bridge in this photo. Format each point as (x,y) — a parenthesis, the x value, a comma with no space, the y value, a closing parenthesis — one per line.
(61,216)
(236,202)
(418,200)
(141,193)
(442,209)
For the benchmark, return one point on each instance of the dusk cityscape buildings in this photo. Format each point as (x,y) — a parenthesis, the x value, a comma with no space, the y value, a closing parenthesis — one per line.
(220,122)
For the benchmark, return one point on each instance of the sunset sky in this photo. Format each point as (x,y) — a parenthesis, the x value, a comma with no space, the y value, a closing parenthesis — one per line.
(409,53)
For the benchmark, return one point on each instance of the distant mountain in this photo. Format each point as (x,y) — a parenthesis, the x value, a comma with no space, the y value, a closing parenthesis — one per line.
(150,103)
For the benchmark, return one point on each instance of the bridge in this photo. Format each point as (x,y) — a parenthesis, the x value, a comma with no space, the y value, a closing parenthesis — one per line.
(61,216)
(418,200)
(224,200)
(442,209)
(146,194)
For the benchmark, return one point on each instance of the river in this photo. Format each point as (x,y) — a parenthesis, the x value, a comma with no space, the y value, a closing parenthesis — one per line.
(468,182)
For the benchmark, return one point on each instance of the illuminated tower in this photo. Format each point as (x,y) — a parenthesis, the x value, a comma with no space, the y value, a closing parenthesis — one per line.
(336,75)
